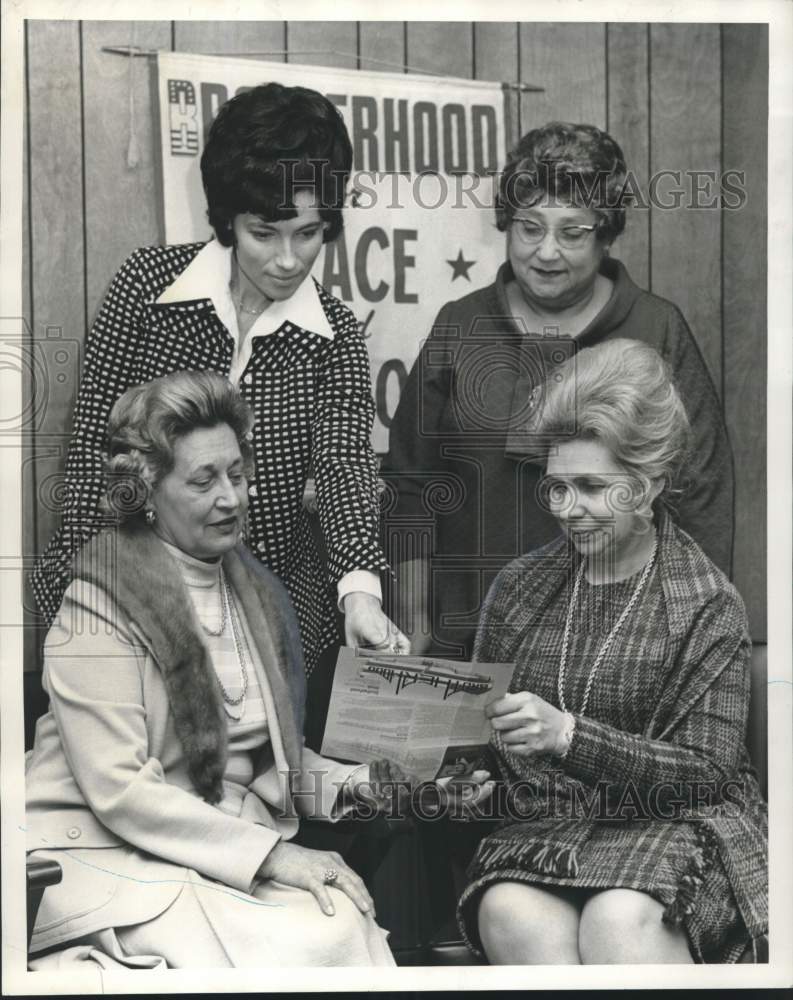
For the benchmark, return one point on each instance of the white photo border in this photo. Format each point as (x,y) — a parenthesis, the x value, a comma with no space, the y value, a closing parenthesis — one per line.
(779,972)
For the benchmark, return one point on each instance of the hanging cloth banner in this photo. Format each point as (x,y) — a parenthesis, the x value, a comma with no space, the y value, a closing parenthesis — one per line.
(420,226)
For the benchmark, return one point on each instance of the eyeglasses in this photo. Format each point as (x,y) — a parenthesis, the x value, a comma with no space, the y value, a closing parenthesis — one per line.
(568,237)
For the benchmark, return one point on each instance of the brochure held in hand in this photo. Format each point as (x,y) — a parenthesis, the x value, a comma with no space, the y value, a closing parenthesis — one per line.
(425,714)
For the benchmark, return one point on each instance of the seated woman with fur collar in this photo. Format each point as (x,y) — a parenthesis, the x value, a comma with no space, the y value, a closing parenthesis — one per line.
(168,776)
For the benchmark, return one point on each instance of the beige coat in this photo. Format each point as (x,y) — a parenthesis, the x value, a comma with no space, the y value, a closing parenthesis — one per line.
(109,771)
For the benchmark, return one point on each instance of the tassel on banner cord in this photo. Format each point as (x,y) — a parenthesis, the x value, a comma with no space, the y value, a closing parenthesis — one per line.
(133,51)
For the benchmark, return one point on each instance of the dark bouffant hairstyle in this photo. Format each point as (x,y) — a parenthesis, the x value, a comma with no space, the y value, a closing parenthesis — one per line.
(562,163)
(266,144)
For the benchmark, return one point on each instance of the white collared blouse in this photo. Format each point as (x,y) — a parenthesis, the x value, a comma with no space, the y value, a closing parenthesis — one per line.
(303,368)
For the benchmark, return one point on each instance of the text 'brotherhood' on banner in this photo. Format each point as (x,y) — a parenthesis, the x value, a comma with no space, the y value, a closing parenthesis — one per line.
(420,226)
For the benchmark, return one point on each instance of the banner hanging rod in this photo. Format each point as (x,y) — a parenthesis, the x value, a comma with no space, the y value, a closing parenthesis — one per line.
(135,51)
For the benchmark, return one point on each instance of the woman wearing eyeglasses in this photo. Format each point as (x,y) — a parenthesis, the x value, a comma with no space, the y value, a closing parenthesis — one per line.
(459,451)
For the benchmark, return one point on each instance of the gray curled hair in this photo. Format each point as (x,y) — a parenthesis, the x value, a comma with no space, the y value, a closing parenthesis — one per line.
(147,421)
(621,394)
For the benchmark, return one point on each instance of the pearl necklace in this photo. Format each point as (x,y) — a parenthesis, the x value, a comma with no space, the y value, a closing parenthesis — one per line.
(609,638)
(241,647)
(222,629)
(228,613)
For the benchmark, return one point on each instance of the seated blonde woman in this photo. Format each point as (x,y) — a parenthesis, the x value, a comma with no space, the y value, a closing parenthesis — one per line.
(635,830)
(169,773)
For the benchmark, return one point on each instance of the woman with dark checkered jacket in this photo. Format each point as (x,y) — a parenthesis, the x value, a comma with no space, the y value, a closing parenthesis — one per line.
(635,830)
(244,304)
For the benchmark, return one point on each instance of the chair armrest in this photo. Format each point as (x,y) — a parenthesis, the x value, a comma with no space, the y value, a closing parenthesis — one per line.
(40,874)
(43,873)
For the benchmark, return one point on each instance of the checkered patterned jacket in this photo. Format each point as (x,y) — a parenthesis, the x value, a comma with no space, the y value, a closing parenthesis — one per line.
(313,408)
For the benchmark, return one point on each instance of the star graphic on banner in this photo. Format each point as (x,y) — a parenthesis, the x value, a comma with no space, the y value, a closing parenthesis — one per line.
(461,267)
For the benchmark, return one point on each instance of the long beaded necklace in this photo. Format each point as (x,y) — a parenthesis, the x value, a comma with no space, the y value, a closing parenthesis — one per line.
(243,653)
(228,614)
(609,638)
(222,629)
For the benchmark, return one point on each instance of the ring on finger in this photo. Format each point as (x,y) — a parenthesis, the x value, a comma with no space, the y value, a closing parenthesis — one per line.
(329,876)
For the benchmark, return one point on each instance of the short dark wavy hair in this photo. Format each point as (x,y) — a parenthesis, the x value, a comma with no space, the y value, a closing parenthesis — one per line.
(563,163)
(147,421)
(266,144)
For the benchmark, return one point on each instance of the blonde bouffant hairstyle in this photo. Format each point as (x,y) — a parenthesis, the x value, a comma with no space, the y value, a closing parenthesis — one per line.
(147,421)
(621,394)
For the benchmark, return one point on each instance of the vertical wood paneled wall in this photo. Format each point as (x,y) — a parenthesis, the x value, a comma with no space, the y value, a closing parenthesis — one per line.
(675,96)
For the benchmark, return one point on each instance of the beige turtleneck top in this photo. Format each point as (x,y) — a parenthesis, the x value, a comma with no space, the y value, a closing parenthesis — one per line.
(250,731)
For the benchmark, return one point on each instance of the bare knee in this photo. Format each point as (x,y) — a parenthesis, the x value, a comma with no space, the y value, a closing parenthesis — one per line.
(622,910)
(497,908)
(521,924)
(617,925)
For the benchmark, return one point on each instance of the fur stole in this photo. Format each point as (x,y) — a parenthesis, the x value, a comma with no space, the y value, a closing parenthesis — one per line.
(134,568)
